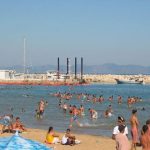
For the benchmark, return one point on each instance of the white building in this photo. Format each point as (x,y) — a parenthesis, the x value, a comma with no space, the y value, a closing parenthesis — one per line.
(7,74)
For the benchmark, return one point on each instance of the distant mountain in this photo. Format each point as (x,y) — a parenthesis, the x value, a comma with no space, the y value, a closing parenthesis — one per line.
(93,69)
(117,69)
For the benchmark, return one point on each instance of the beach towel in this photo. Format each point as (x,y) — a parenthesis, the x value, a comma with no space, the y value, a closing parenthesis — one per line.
(17,142)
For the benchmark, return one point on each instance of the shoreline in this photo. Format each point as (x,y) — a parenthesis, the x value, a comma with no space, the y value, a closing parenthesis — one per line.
(88,142)
(87,79)
(40,82)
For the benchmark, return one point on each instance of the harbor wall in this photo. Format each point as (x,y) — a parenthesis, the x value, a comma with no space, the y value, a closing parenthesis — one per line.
(88,78)
(110,79)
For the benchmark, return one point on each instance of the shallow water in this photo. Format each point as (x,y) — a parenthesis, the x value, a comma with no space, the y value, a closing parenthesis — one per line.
(23,100)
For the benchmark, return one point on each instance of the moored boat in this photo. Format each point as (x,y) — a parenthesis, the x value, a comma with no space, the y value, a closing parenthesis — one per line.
(128,81)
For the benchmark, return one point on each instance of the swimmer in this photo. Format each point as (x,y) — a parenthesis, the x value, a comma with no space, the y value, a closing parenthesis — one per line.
(37,114)
(110,109)
(46,103)
(22,110)
(107,113)
(65,107)
(60,103)
(119,99)
(82,110)
(93,113)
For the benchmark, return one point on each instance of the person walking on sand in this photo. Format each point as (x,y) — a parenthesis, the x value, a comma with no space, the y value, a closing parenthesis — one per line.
(145,138)
(134,128)
(122,142)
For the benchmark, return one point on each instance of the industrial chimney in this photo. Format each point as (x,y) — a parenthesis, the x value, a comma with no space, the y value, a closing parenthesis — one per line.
(58,71)
(81,68)
(75,68)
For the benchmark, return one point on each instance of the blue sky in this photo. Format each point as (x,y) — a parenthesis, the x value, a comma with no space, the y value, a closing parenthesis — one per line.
(101,31)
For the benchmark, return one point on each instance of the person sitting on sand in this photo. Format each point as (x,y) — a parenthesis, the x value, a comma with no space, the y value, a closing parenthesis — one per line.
(122,142)
(6,121)
(120,121)
(17,125)
(51,137)
(68,139)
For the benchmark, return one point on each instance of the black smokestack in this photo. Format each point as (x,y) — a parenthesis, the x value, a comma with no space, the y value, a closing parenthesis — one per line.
(58,70)
(81,68)
(67,65)
(75,68)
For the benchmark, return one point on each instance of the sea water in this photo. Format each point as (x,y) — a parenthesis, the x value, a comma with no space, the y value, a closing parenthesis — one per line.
(22,101)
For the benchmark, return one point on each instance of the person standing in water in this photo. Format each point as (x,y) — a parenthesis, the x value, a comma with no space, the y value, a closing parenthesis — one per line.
(134,128)
(74,117)
(82,110)
(65,107)
(119,99)
(41,109)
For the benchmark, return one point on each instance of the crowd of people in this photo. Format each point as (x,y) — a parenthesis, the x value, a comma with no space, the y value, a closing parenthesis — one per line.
(120,132)
(139,138)
(95,98)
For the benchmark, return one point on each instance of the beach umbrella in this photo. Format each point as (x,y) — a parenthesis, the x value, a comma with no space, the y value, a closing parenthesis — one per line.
(16,142)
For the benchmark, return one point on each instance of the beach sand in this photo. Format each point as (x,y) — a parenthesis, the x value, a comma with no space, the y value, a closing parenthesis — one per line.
(88,142)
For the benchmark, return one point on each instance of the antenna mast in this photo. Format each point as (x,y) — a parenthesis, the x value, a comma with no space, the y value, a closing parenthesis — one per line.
(24,55)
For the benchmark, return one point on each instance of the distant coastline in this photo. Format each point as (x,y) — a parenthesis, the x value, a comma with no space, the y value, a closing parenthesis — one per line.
(108,68)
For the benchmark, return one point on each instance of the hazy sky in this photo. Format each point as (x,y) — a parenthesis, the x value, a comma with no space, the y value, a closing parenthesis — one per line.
(101,31)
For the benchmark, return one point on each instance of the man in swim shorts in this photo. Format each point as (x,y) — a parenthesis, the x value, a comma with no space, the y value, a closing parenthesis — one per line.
(74,117)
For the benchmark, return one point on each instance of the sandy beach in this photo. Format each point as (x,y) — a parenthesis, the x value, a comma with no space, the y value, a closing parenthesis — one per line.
(88,142)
